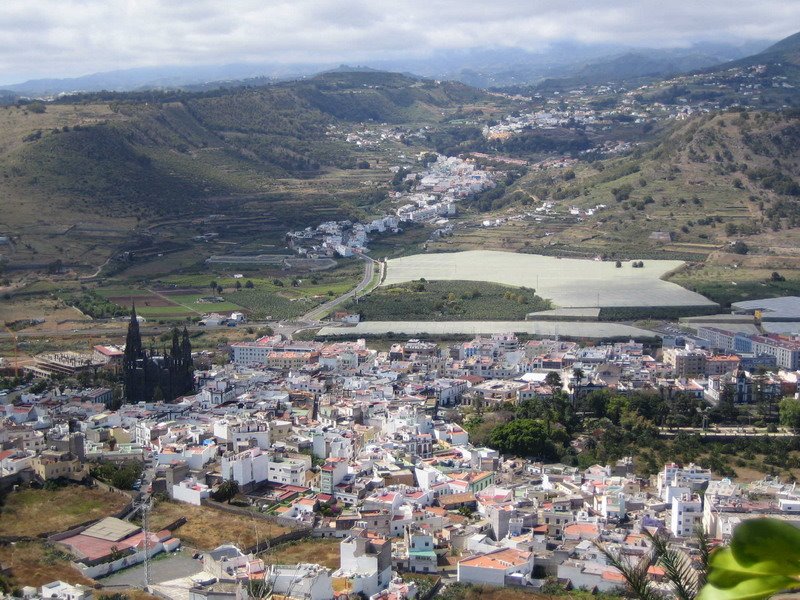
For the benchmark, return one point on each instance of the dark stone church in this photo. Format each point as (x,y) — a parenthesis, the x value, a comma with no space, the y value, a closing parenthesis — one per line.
(150,375)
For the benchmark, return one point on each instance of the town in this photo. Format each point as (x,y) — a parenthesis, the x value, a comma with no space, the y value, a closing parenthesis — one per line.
(399,302)
(382,458)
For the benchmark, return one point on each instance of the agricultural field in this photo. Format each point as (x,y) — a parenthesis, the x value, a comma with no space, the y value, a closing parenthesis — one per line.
(262,293)
(567,282)
(447,301)
(740,278)
(572,329)
(31,511)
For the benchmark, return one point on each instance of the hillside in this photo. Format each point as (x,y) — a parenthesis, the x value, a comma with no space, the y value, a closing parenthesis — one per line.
(786,50)
(701,186)
(137,158)
(766,80)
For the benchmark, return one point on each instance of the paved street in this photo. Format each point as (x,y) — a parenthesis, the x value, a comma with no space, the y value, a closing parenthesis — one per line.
(320,311)
(178,564)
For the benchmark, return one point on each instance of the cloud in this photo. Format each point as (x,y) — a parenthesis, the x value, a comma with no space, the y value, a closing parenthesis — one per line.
(59,38)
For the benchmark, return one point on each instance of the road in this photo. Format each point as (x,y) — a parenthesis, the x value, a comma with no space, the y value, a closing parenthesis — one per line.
(320,311)
(725,432)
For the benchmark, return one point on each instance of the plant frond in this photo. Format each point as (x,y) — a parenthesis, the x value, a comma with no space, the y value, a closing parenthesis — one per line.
(635,574)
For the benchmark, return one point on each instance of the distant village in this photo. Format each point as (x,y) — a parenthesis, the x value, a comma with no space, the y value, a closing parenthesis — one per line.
(432,198)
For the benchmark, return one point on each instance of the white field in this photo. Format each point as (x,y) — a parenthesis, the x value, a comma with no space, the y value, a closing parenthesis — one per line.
(577,329)
(567,282)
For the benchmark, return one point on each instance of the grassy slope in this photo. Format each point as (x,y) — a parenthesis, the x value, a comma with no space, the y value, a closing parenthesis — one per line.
(324,552)
(36,563)
(31,511)
(206,528)
(127,159)
(448,301)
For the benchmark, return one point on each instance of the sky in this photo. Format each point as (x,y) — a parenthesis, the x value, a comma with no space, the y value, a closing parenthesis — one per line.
(67,38)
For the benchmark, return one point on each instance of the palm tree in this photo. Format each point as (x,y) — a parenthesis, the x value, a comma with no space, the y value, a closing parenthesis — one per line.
(578,374)
(685,579)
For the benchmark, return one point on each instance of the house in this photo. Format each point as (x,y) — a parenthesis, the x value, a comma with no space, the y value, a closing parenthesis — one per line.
(306,581)
(496,568)
(421,557)
(65,591)
(52,464)
(365,564)
(229,564)
(332,474)
(251,467)
(190,491)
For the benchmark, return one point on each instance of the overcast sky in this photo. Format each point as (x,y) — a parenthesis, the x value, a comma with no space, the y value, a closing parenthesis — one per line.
(65,38)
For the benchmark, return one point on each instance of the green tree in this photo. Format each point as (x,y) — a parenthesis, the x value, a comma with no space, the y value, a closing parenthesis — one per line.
(789,410)
(553,381)
(227,491)
(525,437)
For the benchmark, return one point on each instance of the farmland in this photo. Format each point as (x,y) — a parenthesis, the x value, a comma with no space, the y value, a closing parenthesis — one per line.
(447,301)
(567,282)
(264,293)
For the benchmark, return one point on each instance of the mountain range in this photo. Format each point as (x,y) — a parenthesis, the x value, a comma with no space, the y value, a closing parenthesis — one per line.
(491,67)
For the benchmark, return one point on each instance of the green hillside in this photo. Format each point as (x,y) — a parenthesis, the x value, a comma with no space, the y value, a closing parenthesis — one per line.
(261,156)
(720,189)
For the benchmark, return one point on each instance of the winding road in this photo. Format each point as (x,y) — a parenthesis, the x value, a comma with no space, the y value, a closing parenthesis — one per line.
(320,311)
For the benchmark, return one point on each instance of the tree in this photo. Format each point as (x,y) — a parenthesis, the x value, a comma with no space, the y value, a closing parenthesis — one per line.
(578,374)
(739,247)
(553,381)
(789,410)
(524,437)
(762,560)
(727,402)
(227,491)
(684,579)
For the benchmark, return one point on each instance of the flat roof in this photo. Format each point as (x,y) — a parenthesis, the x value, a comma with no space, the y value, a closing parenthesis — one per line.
(110,529)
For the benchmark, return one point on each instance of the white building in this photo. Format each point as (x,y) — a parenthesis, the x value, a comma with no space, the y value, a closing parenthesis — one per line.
(253,466)
(190,491)
(493,568)
(366,562)
(306,581)
(687,514)
(65,591)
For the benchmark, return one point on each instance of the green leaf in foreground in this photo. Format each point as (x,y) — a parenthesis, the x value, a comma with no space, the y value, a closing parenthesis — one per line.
(763,559)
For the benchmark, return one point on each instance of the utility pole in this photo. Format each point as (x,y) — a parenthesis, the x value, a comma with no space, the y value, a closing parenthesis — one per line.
(144,507)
